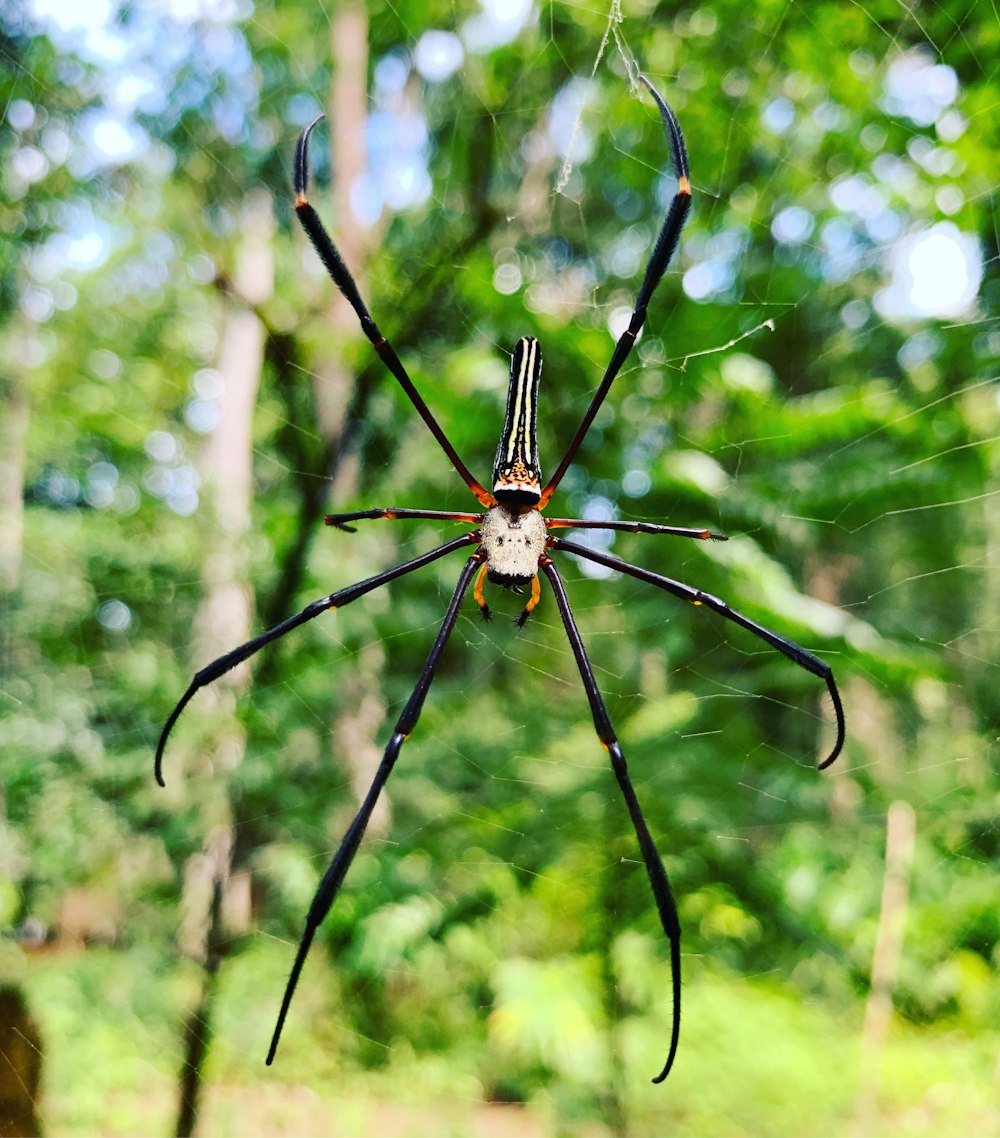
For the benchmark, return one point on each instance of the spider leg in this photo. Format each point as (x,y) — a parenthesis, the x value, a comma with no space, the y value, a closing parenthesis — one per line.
(536,594)
(219,667)
(478,595)
(393,514)
(334,876)
(658,880)
(789,648)
(634,527)
(342,278)
(666,243)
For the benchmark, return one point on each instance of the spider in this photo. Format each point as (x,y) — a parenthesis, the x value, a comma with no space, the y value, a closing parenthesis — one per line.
(512,543)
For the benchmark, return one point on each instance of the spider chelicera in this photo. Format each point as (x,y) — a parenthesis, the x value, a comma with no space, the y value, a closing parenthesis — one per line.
(513,542)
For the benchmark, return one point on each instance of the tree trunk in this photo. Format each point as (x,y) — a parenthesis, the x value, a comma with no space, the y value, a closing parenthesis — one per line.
(354,733)
(211,880)
(14,416)
(20,1066)
(13,443)
(348,114)
(900,833)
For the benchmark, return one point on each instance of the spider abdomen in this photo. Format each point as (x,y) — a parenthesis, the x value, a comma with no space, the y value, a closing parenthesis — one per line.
(516,473)
(513,541)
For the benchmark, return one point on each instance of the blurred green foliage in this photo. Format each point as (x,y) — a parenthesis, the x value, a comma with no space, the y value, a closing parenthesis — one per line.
(498,944)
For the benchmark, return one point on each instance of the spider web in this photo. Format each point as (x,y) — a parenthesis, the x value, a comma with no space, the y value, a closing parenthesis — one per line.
(892,579)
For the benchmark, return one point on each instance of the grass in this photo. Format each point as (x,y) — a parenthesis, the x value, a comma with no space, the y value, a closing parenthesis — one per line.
(755,1060)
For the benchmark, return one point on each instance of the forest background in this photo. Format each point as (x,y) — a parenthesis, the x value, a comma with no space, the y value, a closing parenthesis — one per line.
(184,394)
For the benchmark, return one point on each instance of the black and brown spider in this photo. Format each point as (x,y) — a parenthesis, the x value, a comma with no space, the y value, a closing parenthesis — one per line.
(512,543)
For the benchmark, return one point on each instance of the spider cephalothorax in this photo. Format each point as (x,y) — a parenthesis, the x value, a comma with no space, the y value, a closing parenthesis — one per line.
(513,540)
(512,543)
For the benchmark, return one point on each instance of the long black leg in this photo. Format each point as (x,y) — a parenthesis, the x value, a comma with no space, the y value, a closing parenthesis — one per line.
(666,243)
(334,876)
(635,527)
(342,278)
(658,880)
(393,513)
(793,651)
(219,667)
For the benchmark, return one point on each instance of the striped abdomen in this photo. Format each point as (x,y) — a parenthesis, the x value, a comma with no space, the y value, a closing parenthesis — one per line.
(516,474)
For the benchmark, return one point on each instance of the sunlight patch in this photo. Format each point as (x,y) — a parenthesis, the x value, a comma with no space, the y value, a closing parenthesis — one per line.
(500,22)
(438,55)
(935,272)
(919,88)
